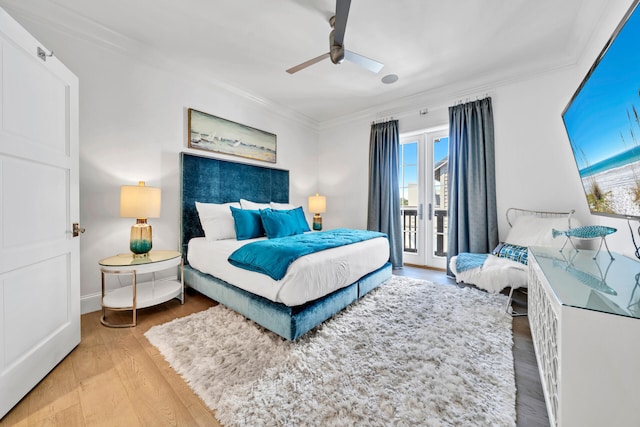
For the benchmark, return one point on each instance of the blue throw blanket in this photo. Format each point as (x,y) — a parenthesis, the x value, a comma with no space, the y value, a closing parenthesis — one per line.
(273,257)
(467,261)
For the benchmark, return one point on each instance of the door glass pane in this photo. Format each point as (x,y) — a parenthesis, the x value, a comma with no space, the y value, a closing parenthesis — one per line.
(440,195)
(409,195)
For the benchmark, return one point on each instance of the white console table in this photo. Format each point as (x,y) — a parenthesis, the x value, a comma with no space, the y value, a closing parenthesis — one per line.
(584,316)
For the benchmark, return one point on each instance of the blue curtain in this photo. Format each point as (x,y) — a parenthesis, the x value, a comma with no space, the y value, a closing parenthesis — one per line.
(473,219)
(384,191)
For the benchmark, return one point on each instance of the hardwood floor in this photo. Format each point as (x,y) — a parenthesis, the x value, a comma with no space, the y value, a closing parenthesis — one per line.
(115,377)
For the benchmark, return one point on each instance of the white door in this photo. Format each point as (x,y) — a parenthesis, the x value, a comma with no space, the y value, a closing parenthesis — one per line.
(423,185)
(39,257)
(436,196)
(412,184)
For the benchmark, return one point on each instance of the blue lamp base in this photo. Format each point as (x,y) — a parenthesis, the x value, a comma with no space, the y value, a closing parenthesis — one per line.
(140,243)
(317,222)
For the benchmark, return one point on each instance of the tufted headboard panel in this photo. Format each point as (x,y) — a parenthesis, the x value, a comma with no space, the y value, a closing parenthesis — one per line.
(209,180)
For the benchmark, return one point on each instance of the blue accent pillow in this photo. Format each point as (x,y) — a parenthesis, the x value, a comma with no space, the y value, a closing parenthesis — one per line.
(280,223)
(514,252)
(248,223)
(298,212)
(302,220)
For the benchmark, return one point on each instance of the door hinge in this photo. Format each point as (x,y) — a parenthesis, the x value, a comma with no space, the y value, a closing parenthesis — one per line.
(42,54)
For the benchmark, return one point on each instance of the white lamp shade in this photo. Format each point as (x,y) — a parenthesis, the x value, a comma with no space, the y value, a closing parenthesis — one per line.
(138,201)
(317,204)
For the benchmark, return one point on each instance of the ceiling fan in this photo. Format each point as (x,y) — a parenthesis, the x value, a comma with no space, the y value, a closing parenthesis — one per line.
(337,52)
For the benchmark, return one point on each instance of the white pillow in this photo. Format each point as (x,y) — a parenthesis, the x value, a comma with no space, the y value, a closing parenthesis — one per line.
(216,220)
(534,231)
(281,206)
(247,204)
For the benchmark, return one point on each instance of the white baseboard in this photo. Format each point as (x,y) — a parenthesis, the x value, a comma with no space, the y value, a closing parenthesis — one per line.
(90,303)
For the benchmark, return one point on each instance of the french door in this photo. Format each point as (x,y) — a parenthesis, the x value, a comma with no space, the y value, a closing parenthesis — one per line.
(423,196)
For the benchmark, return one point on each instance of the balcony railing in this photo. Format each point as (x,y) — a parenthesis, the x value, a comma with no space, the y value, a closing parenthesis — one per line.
(410,230)
(441,232)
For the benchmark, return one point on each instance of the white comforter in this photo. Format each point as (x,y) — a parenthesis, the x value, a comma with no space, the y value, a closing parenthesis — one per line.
(495,274)
(308,278)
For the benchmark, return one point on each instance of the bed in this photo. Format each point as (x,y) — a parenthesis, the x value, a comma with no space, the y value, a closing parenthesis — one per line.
(293,305)
(506,265)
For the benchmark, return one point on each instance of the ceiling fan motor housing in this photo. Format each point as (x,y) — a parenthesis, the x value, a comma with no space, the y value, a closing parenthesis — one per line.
(336,52)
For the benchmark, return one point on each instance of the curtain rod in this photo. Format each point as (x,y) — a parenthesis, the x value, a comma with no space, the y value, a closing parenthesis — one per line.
(383,120)
(466,100)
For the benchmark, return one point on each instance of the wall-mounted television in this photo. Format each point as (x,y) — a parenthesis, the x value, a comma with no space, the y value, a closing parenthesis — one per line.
(602,121)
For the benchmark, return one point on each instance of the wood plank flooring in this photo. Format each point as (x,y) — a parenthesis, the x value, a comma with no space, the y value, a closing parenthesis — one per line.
(115,377)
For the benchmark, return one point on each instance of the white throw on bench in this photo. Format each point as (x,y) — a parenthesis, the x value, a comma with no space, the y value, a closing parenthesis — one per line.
(506,266)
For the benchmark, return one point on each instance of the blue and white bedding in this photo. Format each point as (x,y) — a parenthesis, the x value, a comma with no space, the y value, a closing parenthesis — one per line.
(308,278)
(274,256)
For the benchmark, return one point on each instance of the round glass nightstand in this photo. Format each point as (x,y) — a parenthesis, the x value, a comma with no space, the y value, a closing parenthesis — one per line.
(140,295)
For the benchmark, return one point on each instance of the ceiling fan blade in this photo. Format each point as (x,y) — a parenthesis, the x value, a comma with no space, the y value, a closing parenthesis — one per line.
(368,63)
(307,63)
(340,25)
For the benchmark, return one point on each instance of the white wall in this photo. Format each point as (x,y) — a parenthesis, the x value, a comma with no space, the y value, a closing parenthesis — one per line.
(343,162)
(534,164)
(133,124)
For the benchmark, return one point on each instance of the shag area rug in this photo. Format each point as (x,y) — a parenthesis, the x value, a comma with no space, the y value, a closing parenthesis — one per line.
(409,353)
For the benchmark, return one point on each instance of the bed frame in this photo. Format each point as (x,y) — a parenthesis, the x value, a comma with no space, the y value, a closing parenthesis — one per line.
(209,180)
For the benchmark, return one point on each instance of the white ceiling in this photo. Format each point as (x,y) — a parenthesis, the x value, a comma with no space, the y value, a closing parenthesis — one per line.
(248,44)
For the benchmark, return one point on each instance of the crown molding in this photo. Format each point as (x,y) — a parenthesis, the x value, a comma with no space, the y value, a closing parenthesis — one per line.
(56,17)
(60,19)
(446,96)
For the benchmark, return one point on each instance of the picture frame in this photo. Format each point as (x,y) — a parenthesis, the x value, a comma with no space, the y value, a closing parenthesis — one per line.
(211,133)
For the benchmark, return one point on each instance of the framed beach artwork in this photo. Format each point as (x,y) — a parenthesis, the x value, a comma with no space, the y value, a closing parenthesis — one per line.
(211,133)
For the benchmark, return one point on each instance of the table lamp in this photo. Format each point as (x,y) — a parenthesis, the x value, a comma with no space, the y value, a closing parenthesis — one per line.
(140,202)
(317,205)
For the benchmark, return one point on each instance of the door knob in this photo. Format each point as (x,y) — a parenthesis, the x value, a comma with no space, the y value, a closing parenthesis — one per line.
(77,229)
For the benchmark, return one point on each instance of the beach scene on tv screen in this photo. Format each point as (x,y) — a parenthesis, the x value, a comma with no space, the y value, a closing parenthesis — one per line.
(603,125)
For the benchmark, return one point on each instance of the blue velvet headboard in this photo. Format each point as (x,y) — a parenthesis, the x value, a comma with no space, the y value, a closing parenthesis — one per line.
(209,180)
